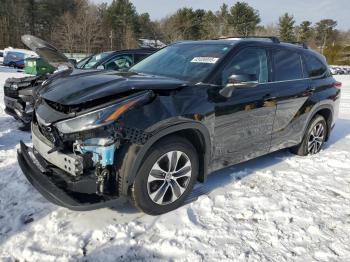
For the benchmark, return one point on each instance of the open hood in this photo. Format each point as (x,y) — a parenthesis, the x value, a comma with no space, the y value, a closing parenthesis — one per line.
(46,51)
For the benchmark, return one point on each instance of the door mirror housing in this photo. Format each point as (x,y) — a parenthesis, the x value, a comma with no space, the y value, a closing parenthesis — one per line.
(100,67)
(239,81)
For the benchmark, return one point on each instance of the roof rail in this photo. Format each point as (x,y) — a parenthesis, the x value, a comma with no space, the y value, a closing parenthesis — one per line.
(274,39)
(301,44)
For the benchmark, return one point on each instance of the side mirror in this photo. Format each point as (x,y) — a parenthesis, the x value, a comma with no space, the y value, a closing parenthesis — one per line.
(238,82)
(100,67)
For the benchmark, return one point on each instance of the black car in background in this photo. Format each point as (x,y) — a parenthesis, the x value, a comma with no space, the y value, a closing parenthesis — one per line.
(115,60)
(150,133)
(19,92)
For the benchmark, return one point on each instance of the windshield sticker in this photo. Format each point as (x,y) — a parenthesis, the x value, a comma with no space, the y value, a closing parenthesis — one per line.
(205,60)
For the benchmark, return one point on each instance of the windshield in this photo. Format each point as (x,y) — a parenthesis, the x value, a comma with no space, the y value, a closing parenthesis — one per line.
(185,61)
(95,59)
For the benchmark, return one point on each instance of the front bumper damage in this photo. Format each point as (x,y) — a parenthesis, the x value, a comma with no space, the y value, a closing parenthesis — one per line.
(68,179)
(20,108)
(59,188)
(19,96)
(80,170)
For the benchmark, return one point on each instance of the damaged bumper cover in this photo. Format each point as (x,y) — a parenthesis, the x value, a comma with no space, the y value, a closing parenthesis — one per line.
(19,96)
(20,108)
(58,189)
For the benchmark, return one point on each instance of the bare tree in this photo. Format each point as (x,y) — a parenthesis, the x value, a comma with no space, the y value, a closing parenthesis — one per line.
(67,33)
(89,28)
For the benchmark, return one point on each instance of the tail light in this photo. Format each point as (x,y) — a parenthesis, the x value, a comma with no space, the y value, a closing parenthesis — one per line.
(337,85)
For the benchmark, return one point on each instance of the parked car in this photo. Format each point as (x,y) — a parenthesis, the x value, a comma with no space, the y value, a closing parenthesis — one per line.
(1,57)
(191,108)
(15,57)
(333,71)
(18,92)
(115,60)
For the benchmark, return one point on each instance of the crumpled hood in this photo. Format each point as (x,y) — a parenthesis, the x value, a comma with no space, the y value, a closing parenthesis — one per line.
(81,86)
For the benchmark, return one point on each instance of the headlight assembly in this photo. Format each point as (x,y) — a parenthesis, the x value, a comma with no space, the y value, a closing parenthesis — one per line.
(97,118)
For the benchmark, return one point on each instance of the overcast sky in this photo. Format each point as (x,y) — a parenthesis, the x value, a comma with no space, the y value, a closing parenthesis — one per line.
(270,10)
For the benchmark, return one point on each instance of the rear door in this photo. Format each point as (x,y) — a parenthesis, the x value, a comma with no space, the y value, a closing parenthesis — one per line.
(292,88)
(243,122)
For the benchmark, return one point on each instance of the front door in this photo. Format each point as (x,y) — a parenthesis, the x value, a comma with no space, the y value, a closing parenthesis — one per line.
(244,121)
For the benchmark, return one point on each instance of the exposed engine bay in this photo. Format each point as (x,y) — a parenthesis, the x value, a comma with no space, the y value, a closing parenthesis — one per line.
(85,144)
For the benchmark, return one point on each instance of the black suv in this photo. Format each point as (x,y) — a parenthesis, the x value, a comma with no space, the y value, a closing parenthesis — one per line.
(19,93)
(191,108)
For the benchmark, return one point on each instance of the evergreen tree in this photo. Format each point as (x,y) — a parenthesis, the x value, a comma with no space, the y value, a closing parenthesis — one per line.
(286,28)
(122,19)
(325,33)
(223,17)
(244,19)
(305,31)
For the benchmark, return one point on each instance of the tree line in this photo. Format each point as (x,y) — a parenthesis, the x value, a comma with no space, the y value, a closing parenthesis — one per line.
(81,26)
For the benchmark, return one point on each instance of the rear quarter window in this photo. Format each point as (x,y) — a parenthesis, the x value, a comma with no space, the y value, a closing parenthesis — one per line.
(314,66)
(287,65)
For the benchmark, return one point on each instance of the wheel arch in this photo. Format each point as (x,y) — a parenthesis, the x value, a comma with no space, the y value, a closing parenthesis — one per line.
(195,132)
(327,112)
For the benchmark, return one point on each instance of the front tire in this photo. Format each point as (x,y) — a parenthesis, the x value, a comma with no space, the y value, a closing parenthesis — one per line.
(314,137)
(166,177)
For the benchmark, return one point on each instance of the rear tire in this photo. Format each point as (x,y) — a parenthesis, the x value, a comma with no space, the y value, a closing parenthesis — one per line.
(166,177)
(314,138)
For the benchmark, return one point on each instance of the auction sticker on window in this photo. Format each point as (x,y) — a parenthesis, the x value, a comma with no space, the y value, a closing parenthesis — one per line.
(205,60)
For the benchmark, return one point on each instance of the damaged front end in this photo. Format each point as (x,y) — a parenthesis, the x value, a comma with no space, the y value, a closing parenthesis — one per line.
(76,152)
(18,96)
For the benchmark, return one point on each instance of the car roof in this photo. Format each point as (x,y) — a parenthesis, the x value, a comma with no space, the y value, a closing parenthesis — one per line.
(137,50)
(132,51)
(266,41)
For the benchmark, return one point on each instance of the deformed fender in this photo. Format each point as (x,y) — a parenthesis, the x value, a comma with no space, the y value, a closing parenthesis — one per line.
(133,155)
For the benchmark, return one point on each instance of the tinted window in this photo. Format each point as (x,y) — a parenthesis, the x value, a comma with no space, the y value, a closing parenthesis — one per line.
(119,62)
(139,57)
(249,61)
(287,65)
(314,66)
(95,59)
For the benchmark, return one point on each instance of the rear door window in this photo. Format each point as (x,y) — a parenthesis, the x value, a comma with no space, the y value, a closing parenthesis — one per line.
(314,66)
(287,65)
(120,62)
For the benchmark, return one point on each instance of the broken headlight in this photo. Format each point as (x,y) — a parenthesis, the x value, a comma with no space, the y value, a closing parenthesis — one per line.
(97,118)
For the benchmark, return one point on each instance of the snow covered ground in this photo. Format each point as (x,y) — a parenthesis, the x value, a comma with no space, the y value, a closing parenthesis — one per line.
(278,207)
